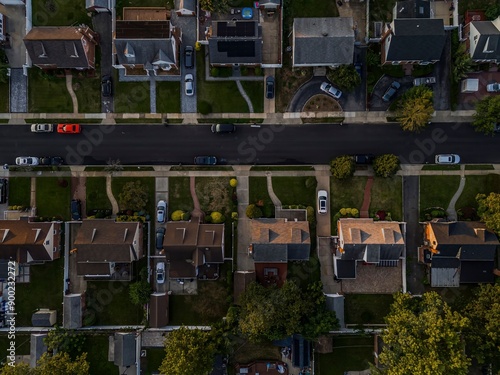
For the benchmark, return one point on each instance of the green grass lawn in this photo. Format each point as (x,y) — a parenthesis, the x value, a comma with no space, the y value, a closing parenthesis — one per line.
(367,308)
(437,191)
(350,353)
(88,93)
(179,195)
(97,348)
(215,194)
(59,13)
(480,184)
(257,190)
(293,190)
(437,167)
(19,191)
(117,186)
(386,195)
(154,357)
(52,199)
(255,91)
(346,193)
(110,301)
(97,198)
(247,352)
(312,8)
(47,93)
(45,290)
(4,97)
(131,97)
(168,97)
(22,345)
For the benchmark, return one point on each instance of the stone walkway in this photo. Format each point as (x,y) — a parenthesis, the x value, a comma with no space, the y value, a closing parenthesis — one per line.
(197,212)
(272,195)
(245,96)
(69,87)
(366,198)
(111,197)
(450,211)
(152,94)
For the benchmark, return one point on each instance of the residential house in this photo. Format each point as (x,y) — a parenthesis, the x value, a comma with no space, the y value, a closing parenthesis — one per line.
(482,39)
(146,43)
(190,247)
(98,6)
(61,47)
(412,9)
(29,242)
(458,252)
(158,310)
(73,305)
(274,242)
(241,280)
(3,30)
(323,41)
(367,241)
(185,7)
(122,350)
(37,347)
(44,318)
(106,249)
(413,41)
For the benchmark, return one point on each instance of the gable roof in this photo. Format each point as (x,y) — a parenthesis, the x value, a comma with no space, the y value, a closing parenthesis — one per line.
(124,349)
(323,41)
(72,311)
(37,347)
(462,233)
(487,46)
(158,305)
(44,318)
(416,39)
(445,272)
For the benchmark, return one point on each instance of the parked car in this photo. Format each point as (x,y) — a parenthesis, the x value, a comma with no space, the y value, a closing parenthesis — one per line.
(363,158)
(160,272)
(47,160)
(331,90)
(424,81)
(270,87)
(189,84)
(223,128)
(3,190)
(205,160)
(493,87)
(391,91)
(359,68)
(76,209)
(69,128)
(189,57)
(27,160)
(322,202)
(447,159)
(160,234)
(42,128)
(161,211)
(106,86)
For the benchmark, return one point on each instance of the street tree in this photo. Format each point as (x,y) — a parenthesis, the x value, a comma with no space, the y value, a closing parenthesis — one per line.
(386,165)
(134,196)
(487,114)
(489,210)
(423,336)
(188,352)
(345,77)
(415,109)
(342,167)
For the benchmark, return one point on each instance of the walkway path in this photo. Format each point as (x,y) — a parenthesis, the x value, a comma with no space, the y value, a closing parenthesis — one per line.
(152,94)
(111,197)
(367,198)
(244,262)
(69,87)
(272,195)
(245,96)
(197,212)
(33,192)
(450,211)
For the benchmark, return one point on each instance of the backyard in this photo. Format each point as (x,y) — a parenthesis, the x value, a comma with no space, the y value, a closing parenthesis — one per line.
(48,93)
(437,191)
(367,308)
(97,198)
(152,361)
(53,195)
(19,191)
(97,347)
(59,13)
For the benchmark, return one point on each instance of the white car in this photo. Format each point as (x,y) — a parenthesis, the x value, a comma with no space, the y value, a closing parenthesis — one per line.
(160,273)
(447,159)
(493,87)
(331,90)
(189,84)
(42,128)
(322,202)
(161,211)
(27,160)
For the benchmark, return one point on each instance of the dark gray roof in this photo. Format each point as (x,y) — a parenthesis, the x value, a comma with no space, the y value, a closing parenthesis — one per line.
(472,252)
(489,40)
(298,251)
(272,253)
(448,262)
(124,349)
(72,311)
(323,41)
(335,303)
(235,51)
(37,347)
(417,39)
(4,269)
(374,252)
(97,4)
(477,272)
(301,352)
(413,9)
(43,318)
(345,269)
(137,51)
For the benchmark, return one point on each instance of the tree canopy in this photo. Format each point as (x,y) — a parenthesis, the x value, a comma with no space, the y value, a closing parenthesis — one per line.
(487,114)
(134,196)
(57,364)
(342,167)
(386,165)
(218,6)
(188,352)
(415,109)
(489,210)
(345,77)
(423,336)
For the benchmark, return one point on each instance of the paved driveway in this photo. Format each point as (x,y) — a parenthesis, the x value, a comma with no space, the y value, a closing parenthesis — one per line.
(18,91)
(376,103)
(188,27)
(442,72)
(102,25)
(356,99)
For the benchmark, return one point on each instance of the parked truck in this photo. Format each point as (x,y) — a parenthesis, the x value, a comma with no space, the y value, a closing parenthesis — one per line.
(424,81)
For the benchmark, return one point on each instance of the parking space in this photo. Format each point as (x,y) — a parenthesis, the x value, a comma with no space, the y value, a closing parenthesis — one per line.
(376,103)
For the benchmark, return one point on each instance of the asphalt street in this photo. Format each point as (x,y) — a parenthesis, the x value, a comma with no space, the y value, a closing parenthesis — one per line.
(266,144)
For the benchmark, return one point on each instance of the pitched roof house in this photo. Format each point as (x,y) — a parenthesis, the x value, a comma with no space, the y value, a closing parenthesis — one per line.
(371,242)
(413,41)
(72,311)
(29,242)
(37,347)
(483,40)
(146,43)
(185,7)
(190,245)
(61,47)
(104,247)
(323,41)
(124,349)
(44,318)
(274,242)
(458,252)
(233,42)
(158,310)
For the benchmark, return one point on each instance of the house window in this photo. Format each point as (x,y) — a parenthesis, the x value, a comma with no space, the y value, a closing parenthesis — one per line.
(47,242)
(475,38)
(55,232)
(55,249)
(135,242)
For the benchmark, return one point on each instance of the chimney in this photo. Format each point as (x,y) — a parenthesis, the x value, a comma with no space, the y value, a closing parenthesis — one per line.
(94,231)
(480,233)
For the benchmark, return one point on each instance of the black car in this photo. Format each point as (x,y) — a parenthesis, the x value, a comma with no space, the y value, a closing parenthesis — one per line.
(223,128)
(160,234)
(205,160)
(106,86)
(47,160)
(391,91)
(76,209)
(363,158)
(189,57)
(270,87)
(3,190)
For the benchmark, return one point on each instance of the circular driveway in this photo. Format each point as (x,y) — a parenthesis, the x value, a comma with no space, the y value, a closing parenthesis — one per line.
(305,92)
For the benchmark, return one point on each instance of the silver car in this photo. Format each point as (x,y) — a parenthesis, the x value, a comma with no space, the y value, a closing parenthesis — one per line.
(447,159)
(331,90)
(42,128)
(160,273)
(322,202)
(27,160)
(189,84)
(493,87)
(161,211)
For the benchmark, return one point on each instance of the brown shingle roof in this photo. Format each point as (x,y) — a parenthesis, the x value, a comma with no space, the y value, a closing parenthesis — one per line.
(463,233)
(367,231)
(279,231)
(181,234)
(158,305)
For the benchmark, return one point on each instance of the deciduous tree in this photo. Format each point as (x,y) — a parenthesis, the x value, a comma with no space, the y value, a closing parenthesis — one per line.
(487,114)
(462,63)
(253,212)
(62,364)
(345,77)
(134,196)
(489,210)
(342,167)
(386,165)
(217,6)
(415,109)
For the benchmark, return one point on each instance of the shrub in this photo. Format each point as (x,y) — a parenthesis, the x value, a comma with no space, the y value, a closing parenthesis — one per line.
(343,211)
(268,210)
(253,212)
(204,107)
(177,215)
(386,165)
(214,72)
(342,167)
(186,216)
(217,217)
(258,71)
(354,212)
(208,219)
(234,215)
(244,71)
(197,46)
(233,182)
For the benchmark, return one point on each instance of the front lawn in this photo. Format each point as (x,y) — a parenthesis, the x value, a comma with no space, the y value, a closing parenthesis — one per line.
(257,190)
(437,191)
(350,353)
(387,195)
(97,198)
(168,97)
(255,91)
(118,183)
(347,193)
(59,13)
(477,184)
(88,93)
(293,190)
(47,93)
(53,196)
(4,97)
(215,194)
(96,347)
(45,290)
(179,195)
(19,191)
(131,97)
(367,308)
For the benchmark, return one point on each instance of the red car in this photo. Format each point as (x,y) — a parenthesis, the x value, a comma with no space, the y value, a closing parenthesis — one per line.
(69,128)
